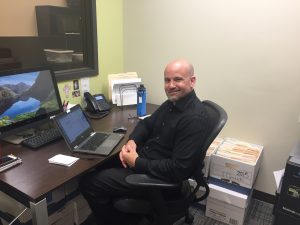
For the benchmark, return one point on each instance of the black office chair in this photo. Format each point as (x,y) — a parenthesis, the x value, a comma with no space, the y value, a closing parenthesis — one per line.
(160,211)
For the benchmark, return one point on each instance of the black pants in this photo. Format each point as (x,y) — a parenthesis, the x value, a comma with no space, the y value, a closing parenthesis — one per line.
(102,186)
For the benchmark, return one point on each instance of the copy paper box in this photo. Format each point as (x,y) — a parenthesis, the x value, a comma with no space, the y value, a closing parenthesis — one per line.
(229,193)
(212,148)
(225,212)
(236,162)
(227,203)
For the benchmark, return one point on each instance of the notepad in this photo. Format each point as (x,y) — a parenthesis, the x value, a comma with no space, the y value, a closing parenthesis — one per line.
(63,160)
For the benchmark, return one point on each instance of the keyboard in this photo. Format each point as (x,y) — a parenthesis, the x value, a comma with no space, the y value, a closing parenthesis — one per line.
(42,138)
(94,142)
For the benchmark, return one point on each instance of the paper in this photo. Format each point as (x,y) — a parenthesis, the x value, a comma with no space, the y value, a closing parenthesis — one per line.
(122,88)
(85,84)
(117,76)
(278,176)
(63,160)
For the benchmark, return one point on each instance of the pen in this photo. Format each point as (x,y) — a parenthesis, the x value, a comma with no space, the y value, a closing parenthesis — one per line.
(65,105)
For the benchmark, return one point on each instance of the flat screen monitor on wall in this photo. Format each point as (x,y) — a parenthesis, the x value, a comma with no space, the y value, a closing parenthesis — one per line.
(28,98)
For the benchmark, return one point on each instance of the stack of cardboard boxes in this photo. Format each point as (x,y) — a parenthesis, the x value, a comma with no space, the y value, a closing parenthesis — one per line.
(234,166)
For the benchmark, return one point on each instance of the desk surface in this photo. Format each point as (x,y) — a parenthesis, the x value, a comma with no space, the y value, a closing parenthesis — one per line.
(35,177)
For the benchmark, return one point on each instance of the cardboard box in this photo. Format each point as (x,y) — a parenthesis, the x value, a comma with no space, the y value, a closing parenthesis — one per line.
(83,209)
(67,215)
(236,162)
(212,148)
(227,203)
(225,212)
(229,193)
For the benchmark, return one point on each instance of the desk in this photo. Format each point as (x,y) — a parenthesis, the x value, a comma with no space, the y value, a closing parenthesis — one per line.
(29,182)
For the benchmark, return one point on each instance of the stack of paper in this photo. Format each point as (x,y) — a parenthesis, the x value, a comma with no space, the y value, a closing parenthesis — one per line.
(123,88)
(213,146)
(63,160)
(240,150)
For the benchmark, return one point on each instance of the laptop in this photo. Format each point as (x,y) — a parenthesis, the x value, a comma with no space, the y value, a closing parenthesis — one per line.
(79,135)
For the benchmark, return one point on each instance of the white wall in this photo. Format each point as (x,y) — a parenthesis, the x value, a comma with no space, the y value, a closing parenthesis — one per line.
(246,55)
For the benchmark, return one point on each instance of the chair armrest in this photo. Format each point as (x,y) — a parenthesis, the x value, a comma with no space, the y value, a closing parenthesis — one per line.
(144,180)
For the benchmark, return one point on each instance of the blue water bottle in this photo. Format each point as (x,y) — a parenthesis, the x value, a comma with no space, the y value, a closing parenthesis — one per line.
(141,101)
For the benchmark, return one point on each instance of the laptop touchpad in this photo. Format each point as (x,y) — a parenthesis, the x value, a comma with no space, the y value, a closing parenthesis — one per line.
(108,143)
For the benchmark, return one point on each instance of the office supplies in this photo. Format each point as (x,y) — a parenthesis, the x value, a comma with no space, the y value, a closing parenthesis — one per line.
(9,161)
(65,105)
(63,160)
(80,136)
(123,88)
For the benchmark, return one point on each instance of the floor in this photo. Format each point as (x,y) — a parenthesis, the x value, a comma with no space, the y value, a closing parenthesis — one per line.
(260,213)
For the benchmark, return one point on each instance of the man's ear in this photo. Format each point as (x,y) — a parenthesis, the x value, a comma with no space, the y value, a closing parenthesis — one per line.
(193,81)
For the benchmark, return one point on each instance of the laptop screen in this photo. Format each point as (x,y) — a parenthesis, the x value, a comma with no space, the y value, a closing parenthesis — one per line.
(73,124)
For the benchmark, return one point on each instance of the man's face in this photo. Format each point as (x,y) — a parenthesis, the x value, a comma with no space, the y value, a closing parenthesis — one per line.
(178,82)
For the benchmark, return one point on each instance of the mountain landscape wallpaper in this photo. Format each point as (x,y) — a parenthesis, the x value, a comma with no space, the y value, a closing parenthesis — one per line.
(24,96)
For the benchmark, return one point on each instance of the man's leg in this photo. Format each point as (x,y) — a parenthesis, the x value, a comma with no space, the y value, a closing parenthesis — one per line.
(101,187)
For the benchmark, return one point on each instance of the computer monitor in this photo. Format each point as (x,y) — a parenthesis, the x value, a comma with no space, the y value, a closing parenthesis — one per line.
(28,98)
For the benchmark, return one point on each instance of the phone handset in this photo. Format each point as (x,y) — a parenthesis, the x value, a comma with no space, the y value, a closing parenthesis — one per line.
(96,104)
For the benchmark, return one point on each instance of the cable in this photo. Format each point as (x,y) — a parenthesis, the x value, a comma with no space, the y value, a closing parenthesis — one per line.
(18,216)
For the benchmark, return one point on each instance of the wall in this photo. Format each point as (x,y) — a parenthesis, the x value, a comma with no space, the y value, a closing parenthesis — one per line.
(110,49)
(246,56)
(21,14)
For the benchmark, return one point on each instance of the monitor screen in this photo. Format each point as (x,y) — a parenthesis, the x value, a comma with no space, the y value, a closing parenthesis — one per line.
(27,98)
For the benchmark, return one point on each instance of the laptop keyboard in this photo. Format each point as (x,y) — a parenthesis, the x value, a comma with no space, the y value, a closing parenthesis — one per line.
(94,142)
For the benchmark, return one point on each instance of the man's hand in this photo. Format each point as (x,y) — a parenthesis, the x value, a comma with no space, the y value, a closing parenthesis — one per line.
(128,154)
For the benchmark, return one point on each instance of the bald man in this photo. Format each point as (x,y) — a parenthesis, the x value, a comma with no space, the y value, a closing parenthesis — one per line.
(165,145)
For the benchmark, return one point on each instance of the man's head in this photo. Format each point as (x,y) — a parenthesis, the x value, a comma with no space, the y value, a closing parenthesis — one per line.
(179,79)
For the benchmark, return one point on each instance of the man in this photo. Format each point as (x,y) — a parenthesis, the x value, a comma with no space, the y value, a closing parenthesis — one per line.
(165,145)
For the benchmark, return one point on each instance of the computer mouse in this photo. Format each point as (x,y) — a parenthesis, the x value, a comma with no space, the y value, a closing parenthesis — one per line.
(120,129)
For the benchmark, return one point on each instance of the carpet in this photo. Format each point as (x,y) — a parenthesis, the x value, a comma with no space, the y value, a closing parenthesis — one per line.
(259,213)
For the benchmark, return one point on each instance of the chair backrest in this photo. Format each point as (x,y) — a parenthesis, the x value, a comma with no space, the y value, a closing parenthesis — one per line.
(218,117)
